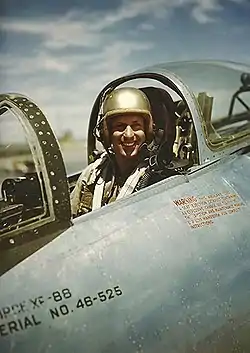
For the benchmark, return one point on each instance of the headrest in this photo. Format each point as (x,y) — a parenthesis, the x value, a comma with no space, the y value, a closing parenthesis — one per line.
(163,112)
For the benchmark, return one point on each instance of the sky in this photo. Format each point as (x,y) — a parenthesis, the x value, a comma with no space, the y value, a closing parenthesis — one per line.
(62,53)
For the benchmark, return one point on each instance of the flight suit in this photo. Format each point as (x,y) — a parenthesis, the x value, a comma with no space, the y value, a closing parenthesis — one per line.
(99,184)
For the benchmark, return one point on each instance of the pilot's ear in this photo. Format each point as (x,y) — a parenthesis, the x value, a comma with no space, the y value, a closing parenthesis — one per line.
(154,127)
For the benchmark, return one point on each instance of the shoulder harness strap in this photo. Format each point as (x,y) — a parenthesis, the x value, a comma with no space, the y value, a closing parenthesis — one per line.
(131,182)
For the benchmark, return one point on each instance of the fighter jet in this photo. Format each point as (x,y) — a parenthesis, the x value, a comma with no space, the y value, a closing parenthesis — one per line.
(166,269)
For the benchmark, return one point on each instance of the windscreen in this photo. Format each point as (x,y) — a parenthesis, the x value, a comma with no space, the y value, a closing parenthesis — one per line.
(222,94)
(21,186)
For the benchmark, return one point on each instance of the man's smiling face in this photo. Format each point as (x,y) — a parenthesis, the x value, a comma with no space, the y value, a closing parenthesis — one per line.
(127,134)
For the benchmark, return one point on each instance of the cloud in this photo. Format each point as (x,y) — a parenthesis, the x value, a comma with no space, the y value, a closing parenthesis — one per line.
(202,10)
(146,27)
(105,59)
(83,29)
(40,62)
(239,1)
(75,55)
(56,33)
(66,86)
(132,9)
(78,28)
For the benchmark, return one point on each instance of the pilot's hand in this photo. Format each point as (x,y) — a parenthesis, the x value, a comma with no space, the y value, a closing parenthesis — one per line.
(81,210)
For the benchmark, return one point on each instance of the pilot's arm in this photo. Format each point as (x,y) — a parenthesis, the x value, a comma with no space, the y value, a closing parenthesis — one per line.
(81,196)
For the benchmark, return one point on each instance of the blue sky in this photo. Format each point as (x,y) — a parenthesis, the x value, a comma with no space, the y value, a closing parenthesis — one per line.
(61,56)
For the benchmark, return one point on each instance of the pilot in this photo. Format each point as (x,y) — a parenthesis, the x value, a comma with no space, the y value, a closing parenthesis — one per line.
(125,131)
